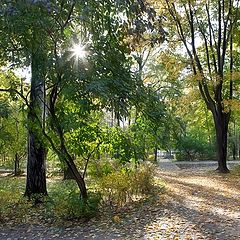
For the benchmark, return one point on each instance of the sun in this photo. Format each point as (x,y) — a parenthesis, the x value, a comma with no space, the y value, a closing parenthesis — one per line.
(78,51)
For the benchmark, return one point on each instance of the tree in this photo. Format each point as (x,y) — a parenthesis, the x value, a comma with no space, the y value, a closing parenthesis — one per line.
(12,119)
(206,31)
(25,44)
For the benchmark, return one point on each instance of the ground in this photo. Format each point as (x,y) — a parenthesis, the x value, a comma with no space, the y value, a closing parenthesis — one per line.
(196,204)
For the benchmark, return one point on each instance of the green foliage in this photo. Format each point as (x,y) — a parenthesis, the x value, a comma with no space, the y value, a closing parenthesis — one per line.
(120,144)
(122,186)
(192,148)
(11,190)
(12,120)
(100,168)
(65,202)
(132,143)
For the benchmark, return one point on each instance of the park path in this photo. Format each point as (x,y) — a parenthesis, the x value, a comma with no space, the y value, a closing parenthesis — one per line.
(196,205)
(166,164)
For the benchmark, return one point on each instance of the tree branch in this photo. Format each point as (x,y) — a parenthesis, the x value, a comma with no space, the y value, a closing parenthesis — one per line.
(12,90)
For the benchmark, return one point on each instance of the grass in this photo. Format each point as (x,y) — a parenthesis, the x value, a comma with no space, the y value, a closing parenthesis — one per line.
(63,202)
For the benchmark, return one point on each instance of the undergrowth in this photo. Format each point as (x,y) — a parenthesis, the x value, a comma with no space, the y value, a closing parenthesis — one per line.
(116,187)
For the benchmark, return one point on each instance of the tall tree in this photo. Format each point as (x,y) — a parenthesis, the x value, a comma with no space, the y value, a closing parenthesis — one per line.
(36,166)
(25,44)
(206,30)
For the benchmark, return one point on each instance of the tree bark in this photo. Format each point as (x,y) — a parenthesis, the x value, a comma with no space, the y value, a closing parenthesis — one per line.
(155,154)
(36,167)
(17,170)
(68,159)
(62,151)
(67,174)
(221,120)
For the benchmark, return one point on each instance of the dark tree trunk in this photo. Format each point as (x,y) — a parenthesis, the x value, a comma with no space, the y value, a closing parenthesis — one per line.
(221,120)
(17,170)
(234,152)
(77,176)
(155,154)
(62,150)
(36,167)
(67,173)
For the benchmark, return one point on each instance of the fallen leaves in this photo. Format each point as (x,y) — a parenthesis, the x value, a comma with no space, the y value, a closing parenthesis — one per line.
(195,206)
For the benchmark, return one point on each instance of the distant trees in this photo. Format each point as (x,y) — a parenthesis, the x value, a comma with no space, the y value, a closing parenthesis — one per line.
(12,125)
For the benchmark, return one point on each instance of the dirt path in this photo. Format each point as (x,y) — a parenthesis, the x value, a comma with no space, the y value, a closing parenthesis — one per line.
(196,205)
(207,205)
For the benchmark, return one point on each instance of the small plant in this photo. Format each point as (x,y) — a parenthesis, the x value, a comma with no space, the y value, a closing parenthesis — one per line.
(100,169)
(142,179)
(11,198)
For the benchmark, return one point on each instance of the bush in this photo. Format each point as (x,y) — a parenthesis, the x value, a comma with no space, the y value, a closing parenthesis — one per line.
(122,186)
(63,203)
(99,169)
(142,179)
(190,148)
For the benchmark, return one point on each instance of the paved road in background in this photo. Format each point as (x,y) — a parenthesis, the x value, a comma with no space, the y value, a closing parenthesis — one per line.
(169,164)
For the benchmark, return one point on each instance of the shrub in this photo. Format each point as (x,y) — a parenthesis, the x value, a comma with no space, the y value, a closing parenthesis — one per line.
(191,148)
(63,203)
(142,179)
(98,169)
(122,186)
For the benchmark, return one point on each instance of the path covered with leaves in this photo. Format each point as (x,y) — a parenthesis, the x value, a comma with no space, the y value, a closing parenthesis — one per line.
(195,205)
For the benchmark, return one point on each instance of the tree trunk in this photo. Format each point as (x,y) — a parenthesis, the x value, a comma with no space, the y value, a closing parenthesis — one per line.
(221,120)
(36,167)
(17,170)
(155,154)
(67,173)
(77,176)
(62,150)
(234,151)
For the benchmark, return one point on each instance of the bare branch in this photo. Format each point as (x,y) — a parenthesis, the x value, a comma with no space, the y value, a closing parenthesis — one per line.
(212,39)
(219,42)
(88,158)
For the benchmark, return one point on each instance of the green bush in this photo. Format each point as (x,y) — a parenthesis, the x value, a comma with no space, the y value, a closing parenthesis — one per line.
(122,186)
(63,202)
(98,169)
(191,148)
(142,179)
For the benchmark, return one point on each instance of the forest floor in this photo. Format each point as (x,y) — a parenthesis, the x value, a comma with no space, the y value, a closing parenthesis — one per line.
(196,204)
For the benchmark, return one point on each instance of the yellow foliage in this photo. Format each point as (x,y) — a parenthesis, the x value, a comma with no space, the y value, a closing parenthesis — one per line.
(231,104)
(116,219)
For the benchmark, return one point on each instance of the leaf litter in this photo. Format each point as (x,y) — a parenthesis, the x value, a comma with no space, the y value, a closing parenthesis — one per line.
(195,205)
